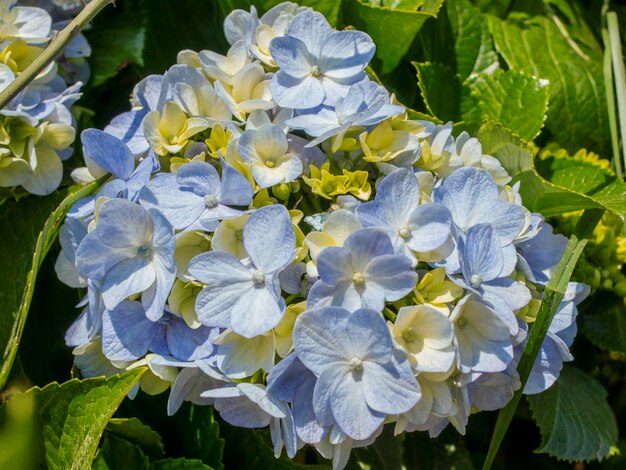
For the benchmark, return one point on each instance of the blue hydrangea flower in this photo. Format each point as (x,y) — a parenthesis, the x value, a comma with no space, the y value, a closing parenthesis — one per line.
(361,378)
(364,272)
(196,198)
(292,382)
(249,406)
(316,63)
(189,384)
(555,347)
(485,271)
(364,104)
(483,340)
(127,335)
(396,210)
(246,297)
(131,250)
(473,197)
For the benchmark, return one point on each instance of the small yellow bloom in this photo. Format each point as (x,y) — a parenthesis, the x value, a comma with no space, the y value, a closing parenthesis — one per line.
(283,332)
(189,245)
(435,290)
(384,143)
(323,183)
(182,301)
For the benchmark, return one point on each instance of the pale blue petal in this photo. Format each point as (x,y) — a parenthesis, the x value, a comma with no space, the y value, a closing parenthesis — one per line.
(335,264)
(129,277)
(387,390)
(235,189)
(126,332)
(311,28)
(345,54)
(481,254)
(366,244)
(269,238)
(189,344)
(94,259)
(122,223)
(430,227)
(296,93)
(108,152)
(393,273)
(200,177)
(256,312)
(292,56)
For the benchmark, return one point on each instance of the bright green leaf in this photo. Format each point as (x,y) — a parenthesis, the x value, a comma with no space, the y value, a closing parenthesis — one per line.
(540,195)
(517,101)
(440,89)
(542,46)
(392,24)
(27,229)
(137,433)
(72,417)
(576,422)
(473,46)
(119,454)
(179,464)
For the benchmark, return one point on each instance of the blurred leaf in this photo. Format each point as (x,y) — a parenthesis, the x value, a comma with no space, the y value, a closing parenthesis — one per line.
(440,89)
(473,46)
(200,434)
(605,326)
(541,46)
(384,454)
(540,195)
(119,454)
(575,419)
(116,40)
(447,451)
(137,433)
(392,24)
(27,229)
(72,417)
(179,464)
(329,8)
(17,430)
(516,100)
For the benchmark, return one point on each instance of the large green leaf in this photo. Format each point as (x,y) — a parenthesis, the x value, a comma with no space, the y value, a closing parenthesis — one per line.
(392,24)
(542,46)
(605,326)
(27,229)
(576,422)
(473,47)
(179,464)
(119,454)
(72,416)
(447,451)
(540,195)
(386,453)
(514,99)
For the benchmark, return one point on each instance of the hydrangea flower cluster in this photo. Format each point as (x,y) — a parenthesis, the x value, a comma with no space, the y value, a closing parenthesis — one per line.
(36,127)
(279,240)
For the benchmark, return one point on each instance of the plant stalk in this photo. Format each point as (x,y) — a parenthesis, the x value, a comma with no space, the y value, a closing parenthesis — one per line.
(54,49)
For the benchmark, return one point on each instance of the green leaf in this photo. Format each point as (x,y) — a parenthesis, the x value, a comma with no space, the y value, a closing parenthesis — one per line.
(542,46)
(473,46)
(137,433)
(392,25)
(516,100)
(119,454)
(576,422)
(447,451)
(200,434)
(72,417)
(117,40)
(329,8)
(27,229)
(440,89)
(540,195)
(179,464)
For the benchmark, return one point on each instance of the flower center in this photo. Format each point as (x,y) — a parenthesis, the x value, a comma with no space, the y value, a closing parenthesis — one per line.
(144,250)
(315,71)
(404,232)
(409,336)
(355,364)
(239,235)
(210,200)
(462,323)
(258,277)
(476,280)
(358,279)
(269,163)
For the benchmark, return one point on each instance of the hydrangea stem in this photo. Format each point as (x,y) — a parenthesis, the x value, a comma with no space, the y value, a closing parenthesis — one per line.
(54,49)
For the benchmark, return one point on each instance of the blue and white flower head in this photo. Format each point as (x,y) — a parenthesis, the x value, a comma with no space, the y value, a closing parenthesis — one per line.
(277,239)
(37,125)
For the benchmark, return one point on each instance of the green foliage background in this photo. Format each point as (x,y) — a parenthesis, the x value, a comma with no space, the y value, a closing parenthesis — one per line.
(508,71)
